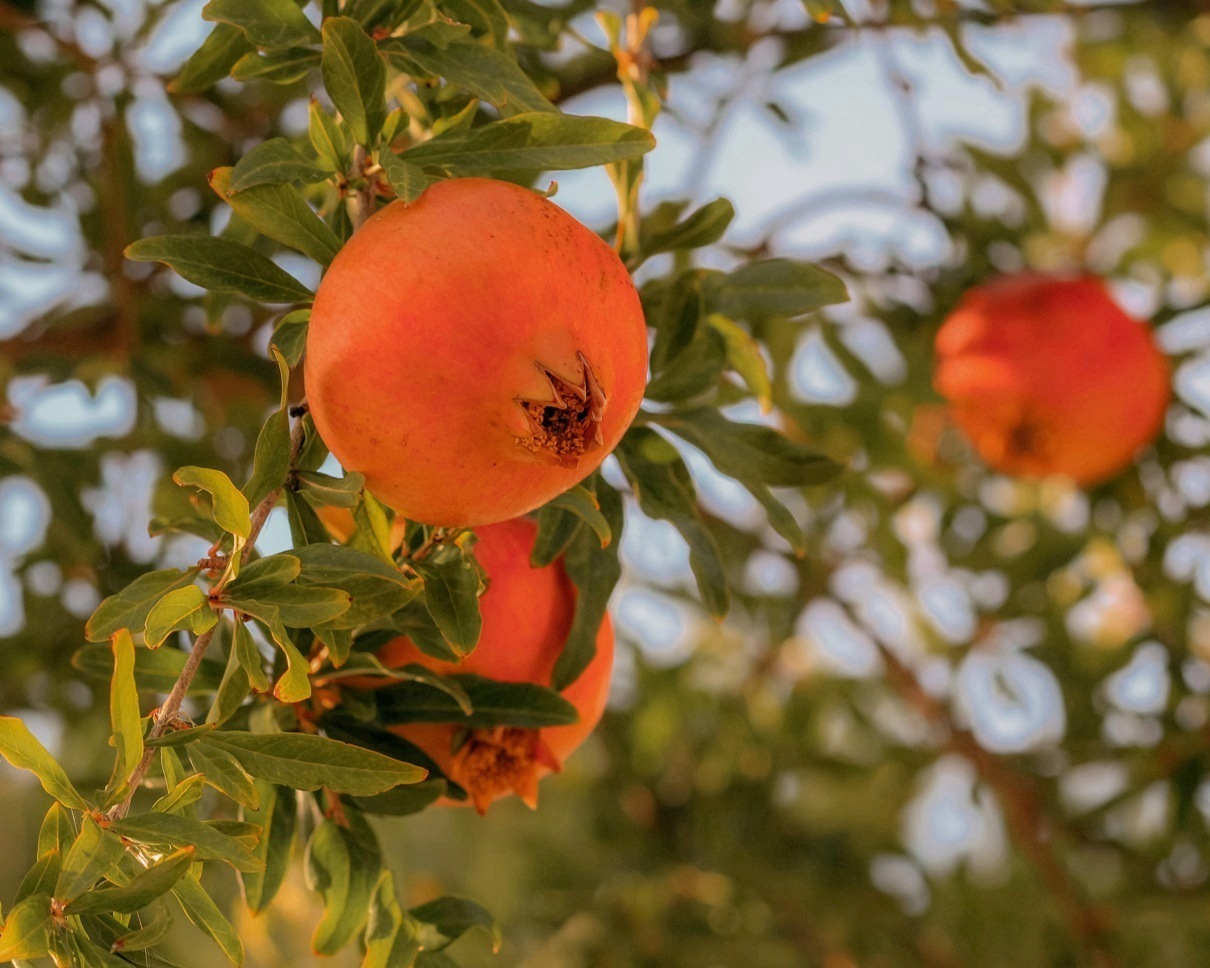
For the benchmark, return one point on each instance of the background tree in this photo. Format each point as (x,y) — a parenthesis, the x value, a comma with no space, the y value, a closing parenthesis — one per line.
(964,724)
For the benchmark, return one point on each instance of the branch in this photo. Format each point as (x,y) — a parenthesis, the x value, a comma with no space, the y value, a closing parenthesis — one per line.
(167,713)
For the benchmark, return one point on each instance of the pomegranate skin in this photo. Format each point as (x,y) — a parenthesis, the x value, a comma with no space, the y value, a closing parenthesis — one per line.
(527,614)
(1049,376)
(474,353)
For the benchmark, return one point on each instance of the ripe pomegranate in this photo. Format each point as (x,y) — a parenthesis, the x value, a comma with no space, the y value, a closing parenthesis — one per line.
(474,353)
(527,614)
(1050,376)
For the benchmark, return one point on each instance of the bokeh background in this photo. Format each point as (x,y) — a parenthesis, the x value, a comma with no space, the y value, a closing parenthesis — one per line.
(970,727)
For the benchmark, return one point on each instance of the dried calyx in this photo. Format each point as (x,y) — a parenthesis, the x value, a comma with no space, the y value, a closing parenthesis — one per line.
(493,762)
(567,426)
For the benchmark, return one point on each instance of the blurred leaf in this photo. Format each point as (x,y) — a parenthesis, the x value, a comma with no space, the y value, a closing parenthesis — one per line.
(129,608)
(272,24)
(355,77)
(185,608)
(141,890)
(23,751)
(749,451)
(776,287)
(201,910)
(704,227)
(665,490)
(677,320)
(695,370)
(520,704)
(487,18)
(221,265)
(557,526)
(450,918)
(307,762)
(211,62)
(343,865)
(745,358)
(534,141)
(276,815)
(390,939)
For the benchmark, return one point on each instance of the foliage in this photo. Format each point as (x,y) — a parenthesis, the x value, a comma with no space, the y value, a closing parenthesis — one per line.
(758,796)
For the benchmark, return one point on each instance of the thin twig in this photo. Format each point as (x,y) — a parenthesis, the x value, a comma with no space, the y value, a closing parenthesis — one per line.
(167,713)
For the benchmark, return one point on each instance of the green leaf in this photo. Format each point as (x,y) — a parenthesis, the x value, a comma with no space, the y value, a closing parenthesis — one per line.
(343,865)
(201,910)
(223,772)
(294,685)
(173,830)
(695,370)
(745,358)
(485,72)
(141,890)
(557,527)
(276,816)
(222,265)
(583,504)
(449,918)
(328,138)
(23,751)
(355,77)
(125,719)
(390,937)
(487,18)
(408,181)
(295,606)
(117,936)
(272,162)
(276,67)
(677,320)
(305,526)
(776,287)
(290,336)
(211,62)
(749,451)
(377,589)
(232,691)
(280,212)
(186,793)
(186,608)
(341,492)
(664,489)
(536,142)
(271,458)
(128,608)
(57,831)
(272,24)
(42,877)
(307,762)
(27,929)
(264,575)
(154,671)
(451,595)
(595,571)
(231,511)
(521,704)
(704,227)
(94,854)
(250,658)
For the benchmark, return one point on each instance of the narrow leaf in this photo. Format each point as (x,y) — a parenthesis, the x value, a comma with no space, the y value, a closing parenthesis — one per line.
(23,751)
(140,891)
(355,77)
(222,265)
(272,24)
(276,816)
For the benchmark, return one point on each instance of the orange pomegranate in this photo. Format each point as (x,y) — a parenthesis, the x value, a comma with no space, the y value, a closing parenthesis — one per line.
(474,353)
(1049,376)
(527,614)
